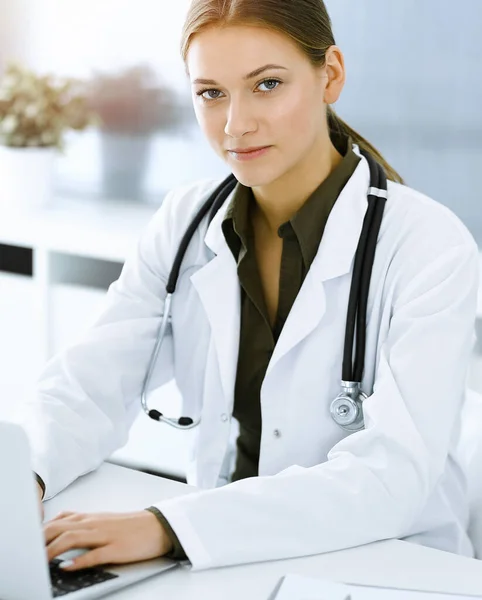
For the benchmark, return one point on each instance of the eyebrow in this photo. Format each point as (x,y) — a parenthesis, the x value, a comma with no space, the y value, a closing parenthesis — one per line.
(254,73)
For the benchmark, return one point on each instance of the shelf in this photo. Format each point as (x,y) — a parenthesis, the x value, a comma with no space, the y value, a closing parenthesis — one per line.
(105,230)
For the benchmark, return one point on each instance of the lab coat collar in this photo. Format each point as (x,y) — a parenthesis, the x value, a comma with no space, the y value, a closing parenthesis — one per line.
(343,228)
(218,289)
(214,238)
(334,258)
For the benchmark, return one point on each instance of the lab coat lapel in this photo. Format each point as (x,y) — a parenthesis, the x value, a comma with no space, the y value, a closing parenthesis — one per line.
(218,288)
(334,258)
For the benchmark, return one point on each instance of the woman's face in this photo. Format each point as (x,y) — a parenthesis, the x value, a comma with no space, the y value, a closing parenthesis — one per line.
(240,107)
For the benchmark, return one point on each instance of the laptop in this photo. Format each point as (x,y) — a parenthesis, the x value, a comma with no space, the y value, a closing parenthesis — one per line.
(25,573)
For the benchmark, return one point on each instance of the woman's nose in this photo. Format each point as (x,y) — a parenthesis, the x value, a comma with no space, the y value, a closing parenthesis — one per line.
(239,120)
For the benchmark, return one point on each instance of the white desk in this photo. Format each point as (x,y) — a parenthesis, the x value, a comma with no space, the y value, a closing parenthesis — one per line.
(391,563)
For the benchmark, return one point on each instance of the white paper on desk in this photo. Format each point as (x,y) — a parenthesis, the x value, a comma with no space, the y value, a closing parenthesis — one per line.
(377,593)
(296,587)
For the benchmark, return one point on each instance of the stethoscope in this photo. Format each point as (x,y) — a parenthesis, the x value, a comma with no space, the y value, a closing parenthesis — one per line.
(347,408)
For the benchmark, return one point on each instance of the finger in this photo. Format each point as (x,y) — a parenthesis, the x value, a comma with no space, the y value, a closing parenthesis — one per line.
(55,528)
(75,540)
(94,558)
(67,514)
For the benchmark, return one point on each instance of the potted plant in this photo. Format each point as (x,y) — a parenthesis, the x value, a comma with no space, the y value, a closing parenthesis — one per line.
(131,106)
(35,113)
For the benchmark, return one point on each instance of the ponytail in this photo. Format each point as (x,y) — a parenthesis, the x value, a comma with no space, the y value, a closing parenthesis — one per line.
(338,126)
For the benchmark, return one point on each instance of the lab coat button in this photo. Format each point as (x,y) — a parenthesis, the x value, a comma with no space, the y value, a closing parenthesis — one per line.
(224,417)
(277,433)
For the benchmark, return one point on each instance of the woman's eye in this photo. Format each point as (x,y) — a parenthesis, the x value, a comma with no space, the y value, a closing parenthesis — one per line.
(269,82)
(208,92)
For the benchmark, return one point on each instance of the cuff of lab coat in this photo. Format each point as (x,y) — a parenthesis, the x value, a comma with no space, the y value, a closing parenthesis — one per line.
(177,552)
(41,483)
(179,522)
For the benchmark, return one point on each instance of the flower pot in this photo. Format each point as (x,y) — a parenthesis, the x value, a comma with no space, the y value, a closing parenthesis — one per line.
(124,162)
(26,177)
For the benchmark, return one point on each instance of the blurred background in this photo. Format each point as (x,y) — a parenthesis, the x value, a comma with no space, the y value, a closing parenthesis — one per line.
(414,89)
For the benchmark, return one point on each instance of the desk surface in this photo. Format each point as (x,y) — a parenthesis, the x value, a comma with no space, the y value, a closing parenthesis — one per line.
(391,563)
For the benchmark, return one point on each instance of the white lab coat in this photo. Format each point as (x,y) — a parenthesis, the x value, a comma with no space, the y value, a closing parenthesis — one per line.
(319,488)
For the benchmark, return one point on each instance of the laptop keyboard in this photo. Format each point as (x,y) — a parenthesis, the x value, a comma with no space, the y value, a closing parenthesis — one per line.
(64,582)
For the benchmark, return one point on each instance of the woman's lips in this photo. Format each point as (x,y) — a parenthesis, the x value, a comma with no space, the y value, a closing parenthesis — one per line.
(242,156)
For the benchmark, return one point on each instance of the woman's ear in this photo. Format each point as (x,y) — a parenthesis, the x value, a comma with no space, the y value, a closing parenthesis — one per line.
(334,74)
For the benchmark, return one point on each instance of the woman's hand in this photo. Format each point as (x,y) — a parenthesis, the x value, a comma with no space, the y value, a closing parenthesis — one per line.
(110,537)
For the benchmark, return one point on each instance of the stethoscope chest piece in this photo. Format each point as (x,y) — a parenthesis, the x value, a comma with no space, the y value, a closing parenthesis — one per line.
(346,409)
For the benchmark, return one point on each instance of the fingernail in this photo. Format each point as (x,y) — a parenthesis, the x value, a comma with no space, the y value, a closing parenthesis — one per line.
(66,564)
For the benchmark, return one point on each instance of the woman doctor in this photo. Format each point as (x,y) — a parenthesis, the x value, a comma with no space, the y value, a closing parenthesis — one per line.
(258,324)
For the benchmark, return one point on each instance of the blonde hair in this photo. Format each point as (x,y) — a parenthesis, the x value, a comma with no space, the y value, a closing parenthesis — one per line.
(306,22)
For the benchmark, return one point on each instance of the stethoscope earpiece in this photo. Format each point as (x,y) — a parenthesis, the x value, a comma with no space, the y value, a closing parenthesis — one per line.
(180,423)
(154,414)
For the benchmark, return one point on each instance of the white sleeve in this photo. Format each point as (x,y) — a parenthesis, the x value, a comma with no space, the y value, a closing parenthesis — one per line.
(375,482)
(88,395)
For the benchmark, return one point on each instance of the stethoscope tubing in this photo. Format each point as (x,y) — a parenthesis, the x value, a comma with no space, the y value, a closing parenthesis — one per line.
(352,373)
